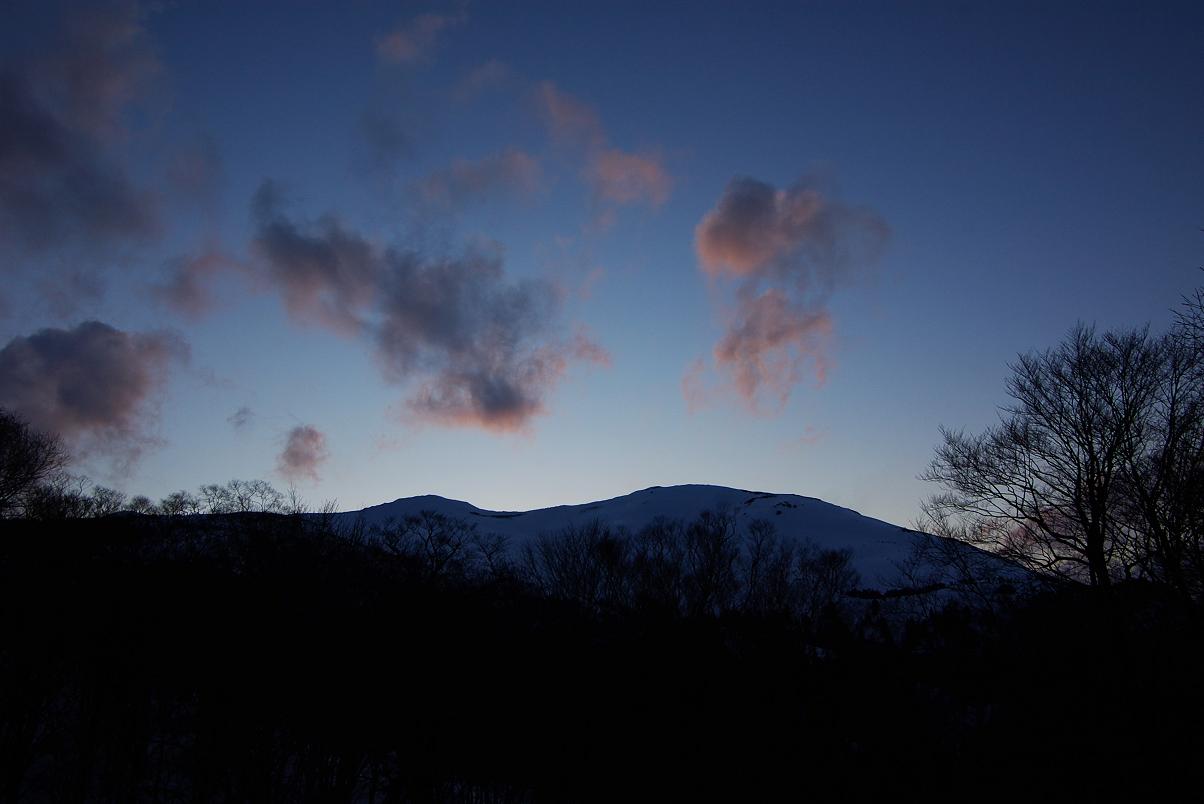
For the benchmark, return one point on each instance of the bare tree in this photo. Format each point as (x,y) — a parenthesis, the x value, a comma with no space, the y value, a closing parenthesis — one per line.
(28,458)
(1189,318)
(712,551)
(442,542)
(180,503)
(824,578)
(1044,486)
(104,501)
(1164,471)
(768,570)
(657,558)
(587,564)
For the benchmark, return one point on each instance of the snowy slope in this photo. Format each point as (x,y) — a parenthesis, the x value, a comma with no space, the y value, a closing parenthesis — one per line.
(878,547)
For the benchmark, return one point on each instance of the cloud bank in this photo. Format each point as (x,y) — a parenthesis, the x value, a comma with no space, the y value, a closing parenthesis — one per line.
(787,250)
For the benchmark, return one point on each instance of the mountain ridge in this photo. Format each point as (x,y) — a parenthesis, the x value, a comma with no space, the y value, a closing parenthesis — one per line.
(879,548)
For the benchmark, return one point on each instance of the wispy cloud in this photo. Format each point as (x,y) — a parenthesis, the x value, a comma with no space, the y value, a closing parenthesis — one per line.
(615,177)
(768,343)
(511,172)
(414,40)
(568,119)
(241,418)
(489,75)
(627,178)
(187,285)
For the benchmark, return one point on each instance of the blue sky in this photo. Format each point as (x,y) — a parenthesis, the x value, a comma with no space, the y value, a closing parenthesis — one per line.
(563,213)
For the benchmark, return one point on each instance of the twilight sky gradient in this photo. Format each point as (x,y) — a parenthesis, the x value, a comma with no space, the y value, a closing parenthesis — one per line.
(525,254)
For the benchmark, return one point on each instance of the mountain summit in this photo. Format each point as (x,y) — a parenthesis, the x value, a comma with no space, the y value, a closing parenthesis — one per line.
(878,548)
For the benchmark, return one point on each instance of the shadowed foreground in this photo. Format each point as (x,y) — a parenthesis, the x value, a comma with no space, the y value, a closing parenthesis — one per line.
(270,658)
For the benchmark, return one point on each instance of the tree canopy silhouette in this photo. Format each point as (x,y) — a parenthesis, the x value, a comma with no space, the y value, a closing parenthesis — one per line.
(28,458)
(1095,471)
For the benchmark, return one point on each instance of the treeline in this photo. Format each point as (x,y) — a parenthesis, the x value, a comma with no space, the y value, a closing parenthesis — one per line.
(249,656)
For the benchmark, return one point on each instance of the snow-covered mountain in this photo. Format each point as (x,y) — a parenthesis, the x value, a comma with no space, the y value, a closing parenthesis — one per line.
(878,547)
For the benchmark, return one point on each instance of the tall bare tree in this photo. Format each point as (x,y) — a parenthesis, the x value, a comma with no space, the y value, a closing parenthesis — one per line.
(1044,487)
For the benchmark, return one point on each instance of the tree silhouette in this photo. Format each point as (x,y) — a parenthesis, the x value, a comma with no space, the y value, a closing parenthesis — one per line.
(28,458)
(1164,471)
(1044,486)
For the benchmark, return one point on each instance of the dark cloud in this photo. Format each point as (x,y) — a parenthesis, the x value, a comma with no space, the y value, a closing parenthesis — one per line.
(482,346)
(62,186)
(241,418)
(55,184)
(94,385)
(326,274)
(482,349)
(304,451)
(510,172)
(788,249)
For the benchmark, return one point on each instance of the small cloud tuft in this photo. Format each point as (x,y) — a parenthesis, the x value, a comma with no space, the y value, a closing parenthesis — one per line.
(241,418)
(304,452)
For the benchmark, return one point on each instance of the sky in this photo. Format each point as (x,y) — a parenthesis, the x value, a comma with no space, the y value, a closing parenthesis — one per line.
(525,254)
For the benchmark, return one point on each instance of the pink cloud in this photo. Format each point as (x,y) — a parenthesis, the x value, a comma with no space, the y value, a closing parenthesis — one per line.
(757,230)
(765,349)
(787,250)
(304,452)
(584,348)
